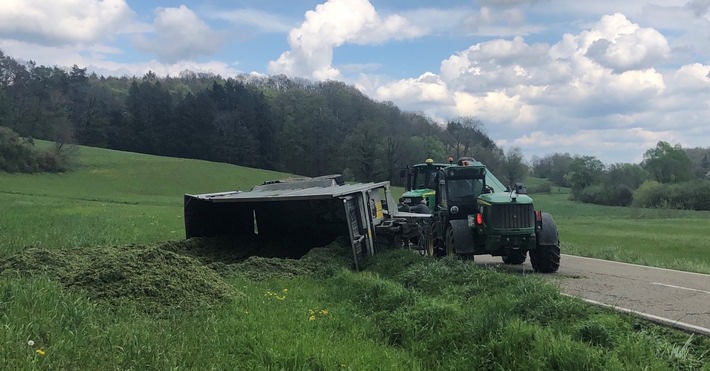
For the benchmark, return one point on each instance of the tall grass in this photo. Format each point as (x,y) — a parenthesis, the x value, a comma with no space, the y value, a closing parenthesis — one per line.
(443,315)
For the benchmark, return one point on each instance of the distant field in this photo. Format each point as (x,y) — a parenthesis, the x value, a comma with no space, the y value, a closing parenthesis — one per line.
(112,197)
(674,239)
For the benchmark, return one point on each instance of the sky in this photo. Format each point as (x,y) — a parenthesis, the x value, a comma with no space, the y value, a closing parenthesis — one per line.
(604,78)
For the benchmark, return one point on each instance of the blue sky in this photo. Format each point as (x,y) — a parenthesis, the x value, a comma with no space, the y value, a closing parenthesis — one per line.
(606,78)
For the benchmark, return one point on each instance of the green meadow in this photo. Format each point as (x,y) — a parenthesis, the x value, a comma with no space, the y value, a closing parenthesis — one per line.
(675,239)
(111,198)
(95,274)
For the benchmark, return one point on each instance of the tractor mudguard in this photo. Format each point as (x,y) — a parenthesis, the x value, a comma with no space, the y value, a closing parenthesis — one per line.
(463,236)
(548,235)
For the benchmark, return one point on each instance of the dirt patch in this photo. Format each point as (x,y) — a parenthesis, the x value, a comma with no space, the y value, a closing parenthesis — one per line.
(181,275)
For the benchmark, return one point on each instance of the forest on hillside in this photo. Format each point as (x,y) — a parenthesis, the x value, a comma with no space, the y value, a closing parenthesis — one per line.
(300,127)
(274,122)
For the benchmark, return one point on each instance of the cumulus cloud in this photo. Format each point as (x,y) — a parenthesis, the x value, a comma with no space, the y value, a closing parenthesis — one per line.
(180,35)
(427,88)
(62,22)
(692,78)
(333,24)
(621,45)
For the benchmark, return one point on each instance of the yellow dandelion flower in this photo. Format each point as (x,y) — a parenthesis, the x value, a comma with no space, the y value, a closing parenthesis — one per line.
(311,312)
(40,352)
(284,291)
(324,312)
(281,297)
(312,318)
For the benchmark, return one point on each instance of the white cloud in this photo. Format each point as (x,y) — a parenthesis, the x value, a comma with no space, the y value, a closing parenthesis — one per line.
(106,68)
(333,24)
(427,88)
(180,35)
(609,145)
(94,59)
(496,107)
(62,22)
(255,19)
(621,45)
(563,98)
(693,78)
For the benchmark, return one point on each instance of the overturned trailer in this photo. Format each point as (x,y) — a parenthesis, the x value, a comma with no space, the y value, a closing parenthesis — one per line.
(299,214)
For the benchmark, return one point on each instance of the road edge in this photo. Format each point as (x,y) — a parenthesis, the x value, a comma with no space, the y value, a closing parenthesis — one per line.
(653,318)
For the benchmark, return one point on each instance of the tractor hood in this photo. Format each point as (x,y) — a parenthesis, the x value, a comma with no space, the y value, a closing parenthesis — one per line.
(424,192)
(503,198)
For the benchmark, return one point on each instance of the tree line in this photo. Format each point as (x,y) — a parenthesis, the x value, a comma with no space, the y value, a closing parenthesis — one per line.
(274,122)
(669,176)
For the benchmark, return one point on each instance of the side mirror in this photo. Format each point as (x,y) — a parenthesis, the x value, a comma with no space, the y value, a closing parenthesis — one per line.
(520,189)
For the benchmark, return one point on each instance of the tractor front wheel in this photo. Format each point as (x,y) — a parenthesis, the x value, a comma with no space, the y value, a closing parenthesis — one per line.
(545,258)
(515,257)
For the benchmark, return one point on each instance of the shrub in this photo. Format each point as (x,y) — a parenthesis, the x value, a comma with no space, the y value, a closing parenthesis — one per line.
(694,195)
(545,187)
(18,156)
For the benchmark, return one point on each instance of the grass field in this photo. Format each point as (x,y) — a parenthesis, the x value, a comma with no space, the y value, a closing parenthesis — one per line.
(111,198)
(85,304)
(675,239)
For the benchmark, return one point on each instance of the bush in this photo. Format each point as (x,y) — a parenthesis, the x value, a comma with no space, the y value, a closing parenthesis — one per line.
(620,195)
(19,156)
(545,187)
(693,195)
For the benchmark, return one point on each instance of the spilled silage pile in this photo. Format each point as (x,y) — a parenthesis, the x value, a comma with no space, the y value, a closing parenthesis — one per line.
(180,275)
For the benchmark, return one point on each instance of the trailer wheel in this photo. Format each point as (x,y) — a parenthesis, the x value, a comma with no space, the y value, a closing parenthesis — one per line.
(516,257)
(450,242)
(545,258)
(430,249)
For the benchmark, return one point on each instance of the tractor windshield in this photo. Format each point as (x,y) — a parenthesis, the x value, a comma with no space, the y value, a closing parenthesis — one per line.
(464,189)
(424,177)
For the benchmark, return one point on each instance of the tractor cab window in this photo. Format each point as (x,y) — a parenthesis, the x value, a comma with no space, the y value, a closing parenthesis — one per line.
(424,178)
(462,189)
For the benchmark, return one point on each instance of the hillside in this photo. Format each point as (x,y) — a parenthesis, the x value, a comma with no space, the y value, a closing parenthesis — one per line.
(112,197)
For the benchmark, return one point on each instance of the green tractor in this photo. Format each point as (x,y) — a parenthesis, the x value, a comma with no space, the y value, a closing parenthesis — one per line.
(473,213)
(420,185)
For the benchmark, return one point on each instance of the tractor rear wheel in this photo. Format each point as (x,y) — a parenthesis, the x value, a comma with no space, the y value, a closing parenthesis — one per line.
(545,258)
(515,257)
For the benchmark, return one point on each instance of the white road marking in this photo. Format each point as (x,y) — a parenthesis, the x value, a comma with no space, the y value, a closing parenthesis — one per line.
(660,320)
(635,265)
(679,287)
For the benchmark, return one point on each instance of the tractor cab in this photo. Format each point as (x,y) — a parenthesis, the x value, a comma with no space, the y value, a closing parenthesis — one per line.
(420,184)
(458,189)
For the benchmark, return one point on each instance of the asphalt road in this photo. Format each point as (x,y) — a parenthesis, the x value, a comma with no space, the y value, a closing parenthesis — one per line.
(676,298)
